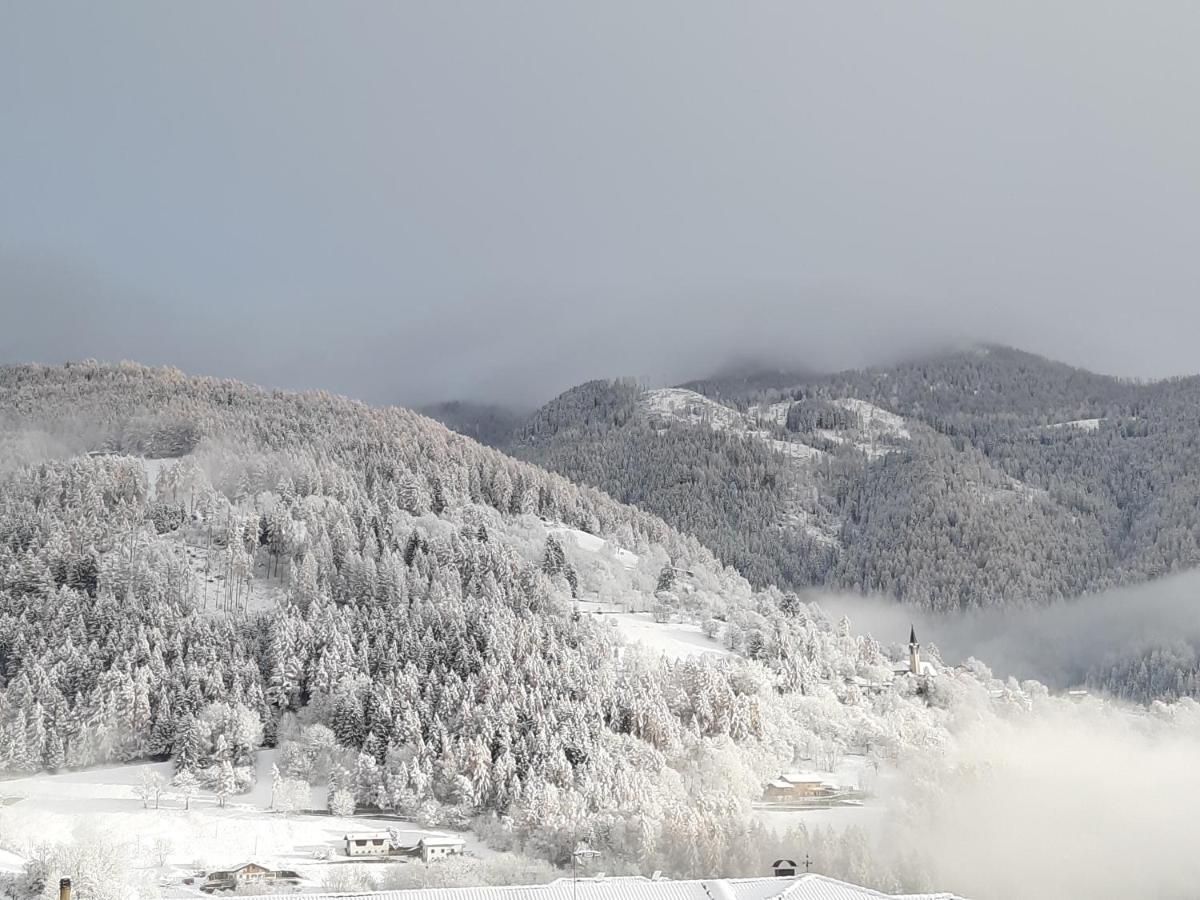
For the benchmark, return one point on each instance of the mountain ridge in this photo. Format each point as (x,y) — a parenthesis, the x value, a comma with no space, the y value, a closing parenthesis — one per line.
(1012,487)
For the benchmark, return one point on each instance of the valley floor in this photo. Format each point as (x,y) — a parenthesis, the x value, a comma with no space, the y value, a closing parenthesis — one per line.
(164,846)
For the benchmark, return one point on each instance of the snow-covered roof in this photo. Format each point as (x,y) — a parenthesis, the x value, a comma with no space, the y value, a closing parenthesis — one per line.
(809,886)
(233,870)
(442,840)
(367,836)
(803,777)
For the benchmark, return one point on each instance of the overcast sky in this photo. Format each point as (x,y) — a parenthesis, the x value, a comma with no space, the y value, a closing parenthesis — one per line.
(407,202)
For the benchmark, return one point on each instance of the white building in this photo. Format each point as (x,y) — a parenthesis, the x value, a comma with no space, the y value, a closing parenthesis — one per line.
(369,843)
(916,665)
(438,846)
(809,886)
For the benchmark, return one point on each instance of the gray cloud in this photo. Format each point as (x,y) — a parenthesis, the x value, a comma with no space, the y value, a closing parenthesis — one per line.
(419,201)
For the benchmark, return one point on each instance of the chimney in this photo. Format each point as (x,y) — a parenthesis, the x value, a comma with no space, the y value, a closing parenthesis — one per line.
(64,889)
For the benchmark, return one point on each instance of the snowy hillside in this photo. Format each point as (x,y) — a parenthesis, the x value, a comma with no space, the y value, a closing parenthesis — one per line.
(354,586)
(458,643)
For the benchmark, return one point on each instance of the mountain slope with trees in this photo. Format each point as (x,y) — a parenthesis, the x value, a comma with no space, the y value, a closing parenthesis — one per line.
(1017,480)
(421,652)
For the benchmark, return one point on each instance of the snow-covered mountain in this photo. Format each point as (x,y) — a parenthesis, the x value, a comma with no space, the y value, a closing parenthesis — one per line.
(422,627)
(980,478)
(191,568)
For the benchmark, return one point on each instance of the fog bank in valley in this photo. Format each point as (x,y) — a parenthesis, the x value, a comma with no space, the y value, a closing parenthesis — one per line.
(1073,800)
(1058,644)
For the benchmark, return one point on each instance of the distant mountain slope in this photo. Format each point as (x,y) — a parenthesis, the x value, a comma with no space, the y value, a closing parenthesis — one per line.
(714,482)
(982,477)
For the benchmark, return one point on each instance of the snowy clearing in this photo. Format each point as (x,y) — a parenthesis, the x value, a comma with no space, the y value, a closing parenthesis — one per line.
(775,413)
(696,409)
(171,843)
(675,640)
(867,817)
(876,419)
(591,543)
(822,533)
(1081,424)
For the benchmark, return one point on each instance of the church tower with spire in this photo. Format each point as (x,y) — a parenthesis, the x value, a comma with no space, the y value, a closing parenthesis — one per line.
(914,651)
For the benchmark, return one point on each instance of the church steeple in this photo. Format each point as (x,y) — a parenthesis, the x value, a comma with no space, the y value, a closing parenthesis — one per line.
(914,651)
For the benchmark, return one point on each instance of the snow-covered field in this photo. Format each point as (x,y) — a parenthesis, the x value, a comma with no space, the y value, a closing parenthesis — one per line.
(593,544)
(876,420)
(1081,424)
(171,843)
(689,406)
(676,640)
(851,771)
(696,409)
(867,817)
(260,591)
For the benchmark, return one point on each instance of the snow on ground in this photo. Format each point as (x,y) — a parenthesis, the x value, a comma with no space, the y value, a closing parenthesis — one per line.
(154,468)
(696,409)
(826,534)
(1012,489)
(1081,424)
(794,449)
(102,801)
(591,543)
(876,419)
(775,413)
(851,771)
(693,408)
(867,817)
(10,862)
(263,591)
(676,640)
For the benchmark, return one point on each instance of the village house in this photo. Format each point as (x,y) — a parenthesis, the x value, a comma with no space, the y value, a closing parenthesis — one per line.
(439,846)
(793,786)
(371,843)
(429,848)
(248,874)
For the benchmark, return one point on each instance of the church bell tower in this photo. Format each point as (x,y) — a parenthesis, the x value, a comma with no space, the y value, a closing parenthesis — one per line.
(914,652)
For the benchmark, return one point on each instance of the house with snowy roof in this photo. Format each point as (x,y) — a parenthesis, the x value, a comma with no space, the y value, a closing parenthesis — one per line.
(371,843)
(387,843)
(798,786)
(809,886)
(439,846)
(246,875)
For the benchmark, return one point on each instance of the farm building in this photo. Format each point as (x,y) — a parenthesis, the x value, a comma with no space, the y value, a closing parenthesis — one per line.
(385,843)
(370,843)
(432,848)
(799,786)
(245,875)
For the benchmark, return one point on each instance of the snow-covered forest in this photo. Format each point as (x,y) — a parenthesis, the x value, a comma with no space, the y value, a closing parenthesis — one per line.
(1004,479)
(191,569)
(981,479)
(363,586)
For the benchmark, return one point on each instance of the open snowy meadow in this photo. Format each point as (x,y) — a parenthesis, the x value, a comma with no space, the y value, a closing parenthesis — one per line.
(161,849)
